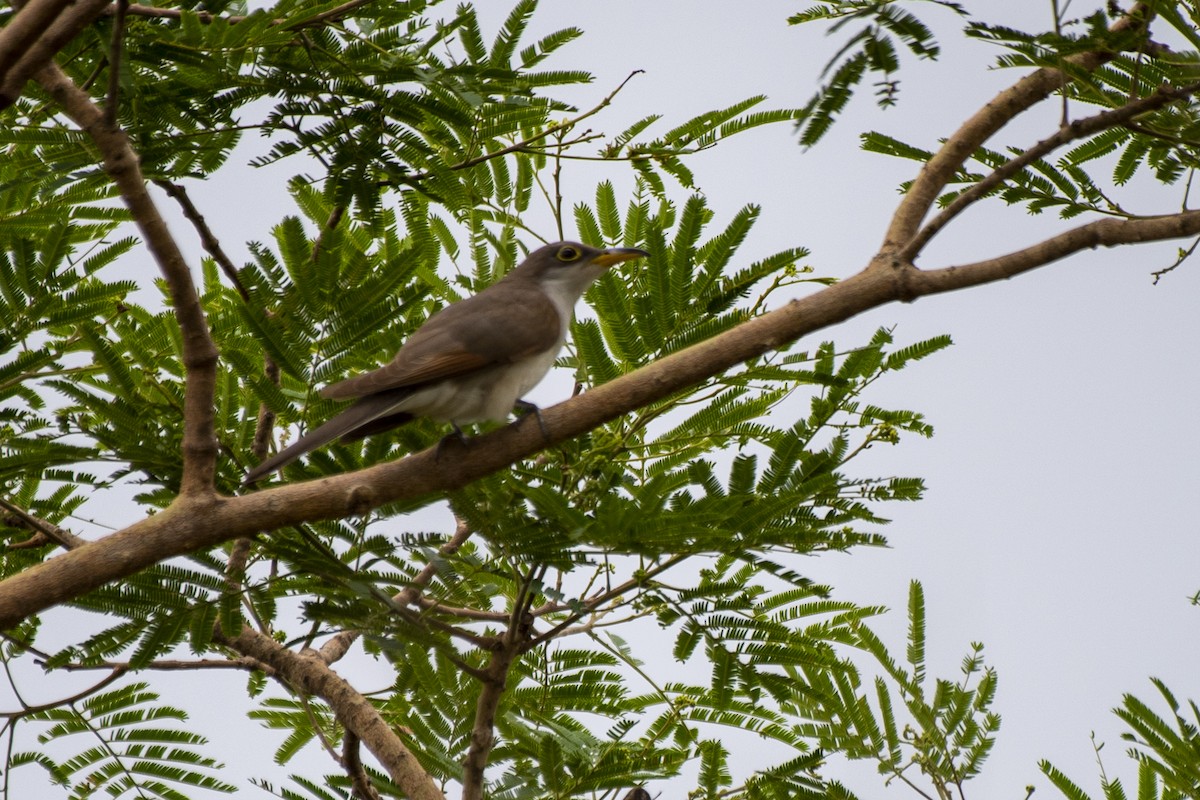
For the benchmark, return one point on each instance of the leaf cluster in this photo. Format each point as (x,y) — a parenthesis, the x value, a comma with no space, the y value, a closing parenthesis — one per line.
(1164,746)
(133,745)
(951,728)
(873,49)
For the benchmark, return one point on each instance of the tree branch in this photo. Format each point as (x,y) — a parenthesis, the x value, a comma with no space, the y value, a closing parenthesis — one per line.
(594,602)
(483,736)
(43,530)
(981,126)
(331,15)
(307,673)
(154,12)
(28,23)
(26,710)
(208,239)
(495,681)
(1101,233)
(178,665)
(1164,95)
(335,648)
(566,124)
(39,52)
(360,781)
(113,98)
(199,352)
(198,522)
(207,18)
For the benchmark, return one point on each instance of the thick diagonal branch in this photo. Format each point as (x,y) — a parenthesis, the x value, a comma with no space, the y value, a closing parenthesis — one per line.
(199,352)
(24,28)
(200,522)
(312,676)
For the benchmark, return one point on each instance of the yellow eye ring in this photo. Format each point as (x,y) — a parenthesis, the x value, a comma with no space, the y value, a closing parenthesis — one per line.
(568,253)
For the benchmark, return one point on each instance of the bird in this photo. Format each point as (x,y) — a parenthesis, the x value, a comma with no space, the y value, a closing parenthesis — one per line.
(472,361)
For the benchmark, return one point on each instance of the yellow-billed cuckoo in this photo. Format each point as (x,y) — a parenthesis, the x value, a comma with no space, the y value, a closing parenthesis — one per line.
(474,359)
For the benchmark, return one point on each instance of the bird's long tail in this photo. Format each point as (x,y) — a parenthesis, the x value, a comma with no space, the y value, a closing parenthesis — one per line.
(361,419)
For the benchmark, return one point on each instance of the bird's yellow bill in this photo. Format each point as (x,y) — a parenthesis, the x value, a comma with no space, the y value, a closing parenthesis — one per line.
(618,254)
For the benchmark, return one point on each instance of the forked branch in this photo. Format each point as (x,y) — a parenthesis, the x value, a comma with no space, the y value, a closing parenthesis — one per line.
(1078,129)
(23,53)
(310,675)
(982,125)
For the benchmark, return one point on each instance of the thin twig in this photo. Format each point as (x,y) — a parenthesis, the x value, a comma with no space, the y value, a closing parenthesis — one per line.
(179,665)
(113,98)
(26,710)
(592,603)
(335,648)
(512,148)
(558,196)
(153,12)
(1057,12)
(41,528)
(207,18)
(208,239)
(360,781)
(433,605)
(1184,255)
(331,15)
(335,219)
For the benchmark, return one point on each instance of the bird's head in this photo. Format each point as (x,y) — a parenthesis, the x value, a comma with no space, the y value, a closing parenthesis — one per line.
(570,267)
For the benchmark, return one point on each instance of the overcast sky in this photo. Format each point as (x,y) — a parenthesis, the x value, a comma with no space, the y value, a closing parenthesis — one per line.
(1058,527)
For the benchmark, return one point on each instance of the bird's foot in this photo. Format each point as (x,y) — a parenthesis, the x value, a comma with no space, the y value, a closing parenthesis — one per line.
(526,408)
(457,436)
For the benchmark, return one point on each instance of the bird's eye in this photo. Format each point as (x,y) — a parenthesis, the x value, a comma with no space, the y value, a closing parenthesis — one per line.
(568,254)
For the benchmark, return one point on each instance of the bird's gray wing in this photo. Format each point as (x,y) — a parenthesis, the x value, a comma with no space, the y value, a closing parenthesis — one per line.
(500,325)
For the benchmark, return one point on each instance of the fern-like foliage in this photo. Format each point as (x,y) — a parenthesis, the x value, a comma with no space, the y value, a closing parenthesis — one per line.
(124,744)
(905,723)
(1164,746)
(870,50)
(722,475)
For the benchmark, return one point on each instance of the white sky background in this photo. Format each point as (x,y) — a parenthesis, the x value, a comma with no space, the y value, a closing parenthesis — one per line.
(1058,527)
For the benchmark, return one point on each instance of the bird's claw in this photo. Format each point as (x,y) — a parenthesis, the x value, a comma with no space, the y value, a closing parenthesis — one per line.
(457,435)
(528,408)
